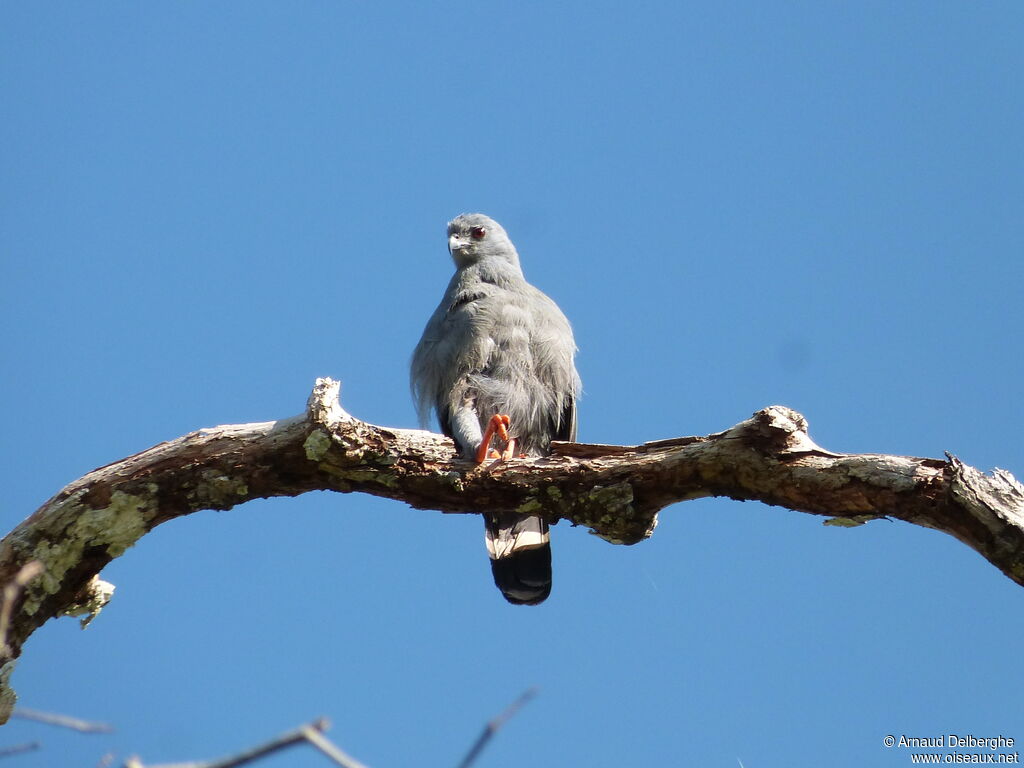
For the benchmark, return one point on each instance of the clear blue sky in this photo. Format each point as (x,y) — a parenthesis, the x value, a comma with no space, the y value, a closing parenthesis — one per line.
(205,206)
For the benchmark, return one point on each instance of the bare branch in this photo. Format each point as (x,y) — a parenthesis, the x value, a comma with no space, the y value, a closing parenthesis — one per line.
(616,491)
(494,725)
(311,733)
(329,748)
(19,749)
(62,721)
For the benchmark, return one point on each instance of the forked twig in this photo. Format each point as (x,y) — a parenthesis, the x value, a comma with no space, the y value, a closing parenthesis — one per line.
(329,748)
(311,733)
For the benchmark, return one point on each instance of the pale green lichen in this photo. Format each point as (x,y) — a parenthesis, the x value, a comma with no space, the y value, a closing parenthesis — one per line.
(613,507)
(529,507)
(617,499)
(116,527)
(317,445)
(56,559)
(370,476)
(218,489)
(354,448)
(92,600)
(850,522)
(455,479)
(554,492)
(607,537)
(7,696)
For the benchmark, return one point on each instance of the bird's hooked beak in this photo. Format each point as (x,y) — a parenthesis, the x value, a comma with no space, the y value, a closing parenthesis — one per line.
(457,242)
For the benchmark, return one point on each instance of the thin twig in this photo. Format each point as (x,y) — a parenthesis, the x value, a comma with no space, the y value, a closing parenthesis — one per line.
(18,749)
(12,589)
(310,732)
(63,721)
(325,745)
(492,727)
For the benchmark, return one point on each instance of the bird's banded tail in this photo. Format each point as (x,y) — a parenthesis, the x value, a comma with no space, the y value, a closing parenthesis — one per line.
(520,552)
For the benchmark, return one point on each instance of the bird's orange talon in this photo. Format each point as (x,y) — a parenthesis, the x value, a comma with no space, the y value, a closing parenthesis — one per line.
(510,450)
(498,425)
(501,423)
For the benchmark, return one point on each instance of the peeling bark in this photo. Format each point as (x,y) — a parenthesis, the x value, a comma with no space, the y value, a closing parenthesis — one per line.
(616,491)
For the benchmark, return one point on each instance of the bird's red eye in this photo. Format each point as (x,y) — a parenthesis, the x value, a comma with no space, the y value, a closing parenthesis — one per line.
(478,233)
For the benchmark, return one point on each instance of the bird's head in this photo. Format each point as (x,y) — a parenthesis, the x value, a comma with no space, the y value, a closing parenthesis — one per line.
(473,237)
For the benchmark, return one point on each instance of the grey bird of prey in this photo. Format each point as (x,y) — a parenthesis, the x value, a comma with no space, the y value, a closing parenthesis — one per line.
(497,357)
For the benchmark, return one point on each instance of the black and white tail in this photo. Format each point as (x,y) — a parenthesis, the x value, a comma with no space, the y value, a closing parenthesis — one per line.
(520,551)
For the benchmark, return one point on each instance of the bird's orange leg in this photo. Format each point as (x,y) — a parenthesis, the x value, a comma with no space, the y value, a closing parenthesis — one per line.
(498,425)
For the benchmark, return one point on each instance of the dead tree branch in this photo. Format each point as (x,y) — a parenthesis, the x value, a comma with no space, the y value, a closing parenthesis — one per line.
(311,733)
(494,725)
(616,491)
(62,721)
(19,749)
